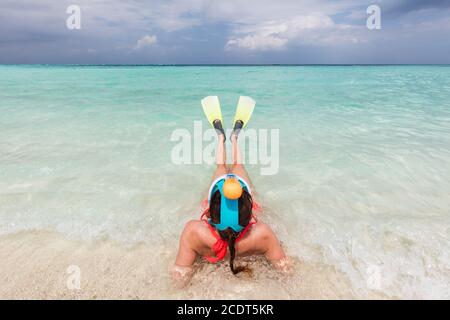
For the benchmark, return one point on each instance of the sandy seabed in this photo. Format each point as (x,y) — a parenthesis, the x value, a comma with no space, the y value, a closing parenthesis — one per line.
(40,265)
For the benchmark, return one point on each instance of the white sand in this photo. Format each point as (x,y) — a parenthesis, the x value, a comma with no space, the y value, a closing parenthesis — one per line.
(35,265)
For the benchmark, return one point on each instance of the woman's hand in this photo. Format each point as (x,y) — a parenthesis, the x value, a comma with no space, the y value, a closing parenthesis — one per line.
(181,276)
(285,265)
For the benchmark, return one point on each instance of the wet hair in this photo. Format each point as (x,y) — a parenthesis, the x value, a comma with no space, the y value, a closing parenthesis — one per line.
(245,204)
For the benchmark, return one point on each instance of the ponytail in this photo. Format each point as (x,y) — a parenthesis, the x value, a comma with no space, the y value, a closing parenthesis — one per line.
(230,236)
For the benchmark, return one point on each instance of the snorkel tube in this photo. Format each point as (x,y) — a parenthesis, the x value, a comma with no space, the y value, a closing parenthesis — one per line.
(230,187)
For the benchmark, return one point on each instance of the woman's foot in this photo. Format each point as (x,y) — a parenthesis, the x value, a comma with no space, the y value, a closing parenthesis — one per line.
(238,125)
(219,129)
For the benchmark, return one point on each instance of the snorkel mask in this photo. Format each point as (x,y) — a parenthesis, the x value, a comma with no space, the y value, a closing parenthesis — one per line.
(229,202)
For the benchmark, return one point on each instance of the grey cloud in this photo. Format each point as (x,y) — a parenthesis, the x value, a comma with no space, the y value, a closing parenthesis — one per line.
(33,31)
(406,6)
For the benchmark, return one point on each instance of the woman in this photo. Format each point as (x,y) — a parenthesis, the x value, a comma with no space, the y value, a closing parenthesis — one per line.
(228,224)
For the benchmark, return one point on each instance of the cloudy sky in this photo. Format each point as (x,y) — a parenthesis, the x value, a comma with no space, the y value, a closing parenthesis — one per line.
(223,32)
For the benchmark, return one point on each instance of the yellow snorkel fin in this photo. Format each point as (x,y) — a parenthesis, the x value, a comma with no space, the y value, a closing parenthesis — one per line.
(244,111)
(211,108)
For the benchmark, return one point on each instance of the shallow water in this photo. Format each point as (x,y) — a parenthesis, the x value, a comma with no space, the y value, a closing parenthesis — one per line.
(362,189)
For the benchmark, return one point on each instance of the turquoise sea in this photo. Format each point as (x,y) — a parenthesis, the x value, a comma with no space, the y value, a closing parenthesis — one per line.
(362,186)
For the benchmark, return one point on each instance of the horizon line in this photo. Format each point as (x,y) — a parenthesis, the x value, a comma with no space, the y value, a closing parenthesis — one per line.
(222,65)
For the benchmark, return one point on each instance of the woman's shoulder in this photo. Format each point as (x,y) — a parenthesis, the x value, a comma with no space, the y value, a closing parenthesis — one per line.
(200,237)
(198,230)
(261,230)
(256,240)
(193,227)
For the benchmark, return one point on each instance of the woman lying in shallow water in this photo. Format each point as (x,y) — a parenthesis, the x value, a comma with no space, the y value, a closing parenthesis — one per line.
(229,223)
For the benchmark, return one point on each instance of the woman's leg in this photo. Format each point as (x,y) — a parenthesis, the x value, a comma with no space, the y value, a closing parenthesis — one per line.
(221,157)
(238,166)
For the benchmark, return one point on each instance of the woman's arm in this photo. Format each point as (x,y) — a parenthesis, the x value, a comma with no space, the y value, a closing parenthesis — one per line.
(182,271)
(186,253)
(272,249)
